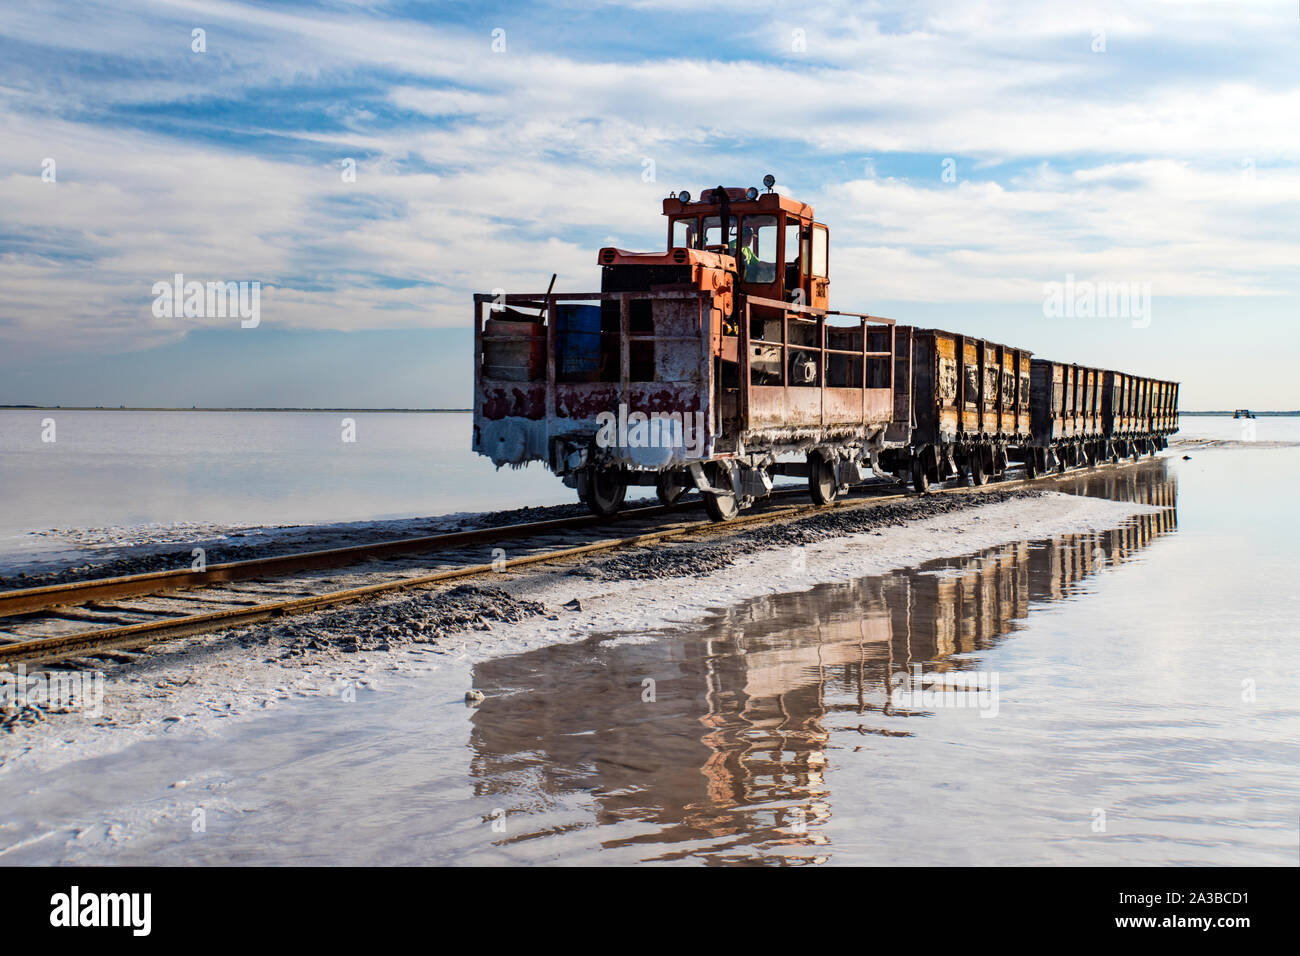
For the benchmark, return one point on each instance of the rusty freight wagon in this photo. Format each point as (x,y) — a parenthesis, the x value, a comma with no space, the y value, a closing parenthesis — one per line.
(969,406)
(1138,414)
(1084,415)
(1067,425)
(713,365)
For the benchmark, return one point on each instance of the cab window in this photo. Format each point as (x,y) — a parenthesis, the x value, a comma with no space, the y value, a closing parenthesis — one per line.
(756,253)
(713,230)
(684,232)
(819,251)
(792,246)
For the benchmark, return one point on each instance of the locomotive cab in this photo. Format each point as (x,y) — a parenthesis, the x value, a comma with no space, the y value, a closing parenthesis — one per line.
(731,242)
(779,250)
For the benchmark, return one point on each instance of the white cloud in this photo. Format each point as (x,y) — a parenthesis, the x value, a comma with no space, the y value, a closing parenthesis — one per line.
(520,164)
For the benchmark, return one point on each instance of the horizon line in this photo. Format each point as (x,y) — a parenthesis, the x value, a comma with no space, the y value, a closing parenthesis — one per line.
(216,408)
(357,408)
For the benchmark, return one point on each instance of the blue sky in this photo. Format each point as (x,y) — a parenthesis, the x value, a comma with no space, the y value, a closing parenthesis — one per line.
(1147,144)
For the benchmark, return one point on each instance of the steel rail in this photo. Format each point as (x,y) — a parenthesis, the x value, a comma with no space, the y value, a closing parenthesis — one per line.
(71,593)
(153,632)
(74,593)
(149,632)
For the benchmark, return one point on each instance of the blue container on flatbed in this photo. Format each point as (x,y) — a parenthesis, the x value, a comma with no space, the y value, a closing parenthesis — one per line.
(577,342)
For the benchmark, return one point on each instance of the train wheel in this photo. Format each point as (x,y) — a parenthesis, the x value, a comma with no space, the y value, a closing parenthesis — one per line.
(822,486)
(920,476)
(720,507)
(670,486)
(979,475)
(1031,463)
(604,491)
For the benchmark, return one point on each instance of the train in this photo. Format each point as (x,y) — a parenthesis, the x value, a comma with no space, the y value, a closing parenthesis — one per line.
(717,365)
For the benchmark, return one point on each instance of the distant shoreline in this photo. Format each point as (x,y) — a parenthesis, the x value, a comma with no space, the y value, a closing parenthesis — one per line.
(148,408)
(1257,414)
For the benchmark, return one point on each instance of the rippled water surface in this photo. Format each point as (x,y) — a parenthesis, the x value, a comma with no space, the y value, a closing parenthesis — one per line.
(1145,712)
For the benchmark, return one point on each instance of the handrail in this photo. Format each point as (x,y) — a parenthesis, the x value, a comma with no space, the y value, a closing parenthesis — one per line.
(814,348)
(521,298)
(795,307)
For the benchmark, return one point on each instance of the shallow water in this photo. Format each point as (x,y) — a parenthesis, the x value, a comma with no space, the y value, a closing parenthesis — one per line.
(1145,713)
(109,469)
(123,468)
(1270,428)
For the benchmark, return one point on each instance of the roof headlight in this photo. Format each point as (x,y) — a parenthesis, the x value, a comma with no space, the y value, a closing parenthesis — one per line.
(684,196)
(769,181)
(751,193)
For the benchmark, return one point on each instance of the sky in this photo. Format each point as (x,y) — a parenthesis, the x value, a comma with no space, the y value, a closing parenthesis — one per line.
(373,165)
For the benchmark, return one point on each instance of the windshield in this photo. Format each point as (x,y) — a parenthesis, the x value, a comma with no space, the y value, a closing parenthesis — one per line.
(713,230)
(757,258)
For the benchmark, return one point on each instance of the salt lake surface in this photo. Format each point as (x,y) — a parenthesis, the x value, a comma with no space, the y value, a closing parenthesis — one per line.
(115,469)
(109,469)
(1146,713)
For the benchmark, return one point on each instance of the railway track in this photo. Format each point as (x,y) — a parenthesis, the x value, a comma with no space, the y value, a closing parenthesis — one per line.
(105,616)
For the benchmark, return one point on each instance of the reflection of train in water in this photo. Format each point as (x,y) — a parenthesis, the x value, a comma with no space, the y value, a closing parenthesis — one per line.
(730,761)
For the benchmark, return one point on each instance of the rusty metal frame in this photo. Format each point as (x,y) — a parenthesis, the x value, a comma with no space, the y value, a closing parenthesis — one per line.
(557,393)
(865,323)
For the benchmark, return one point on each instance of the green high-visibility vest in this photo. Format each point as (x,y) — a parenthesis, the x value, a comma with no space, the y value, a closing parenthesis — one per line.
(747,255)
